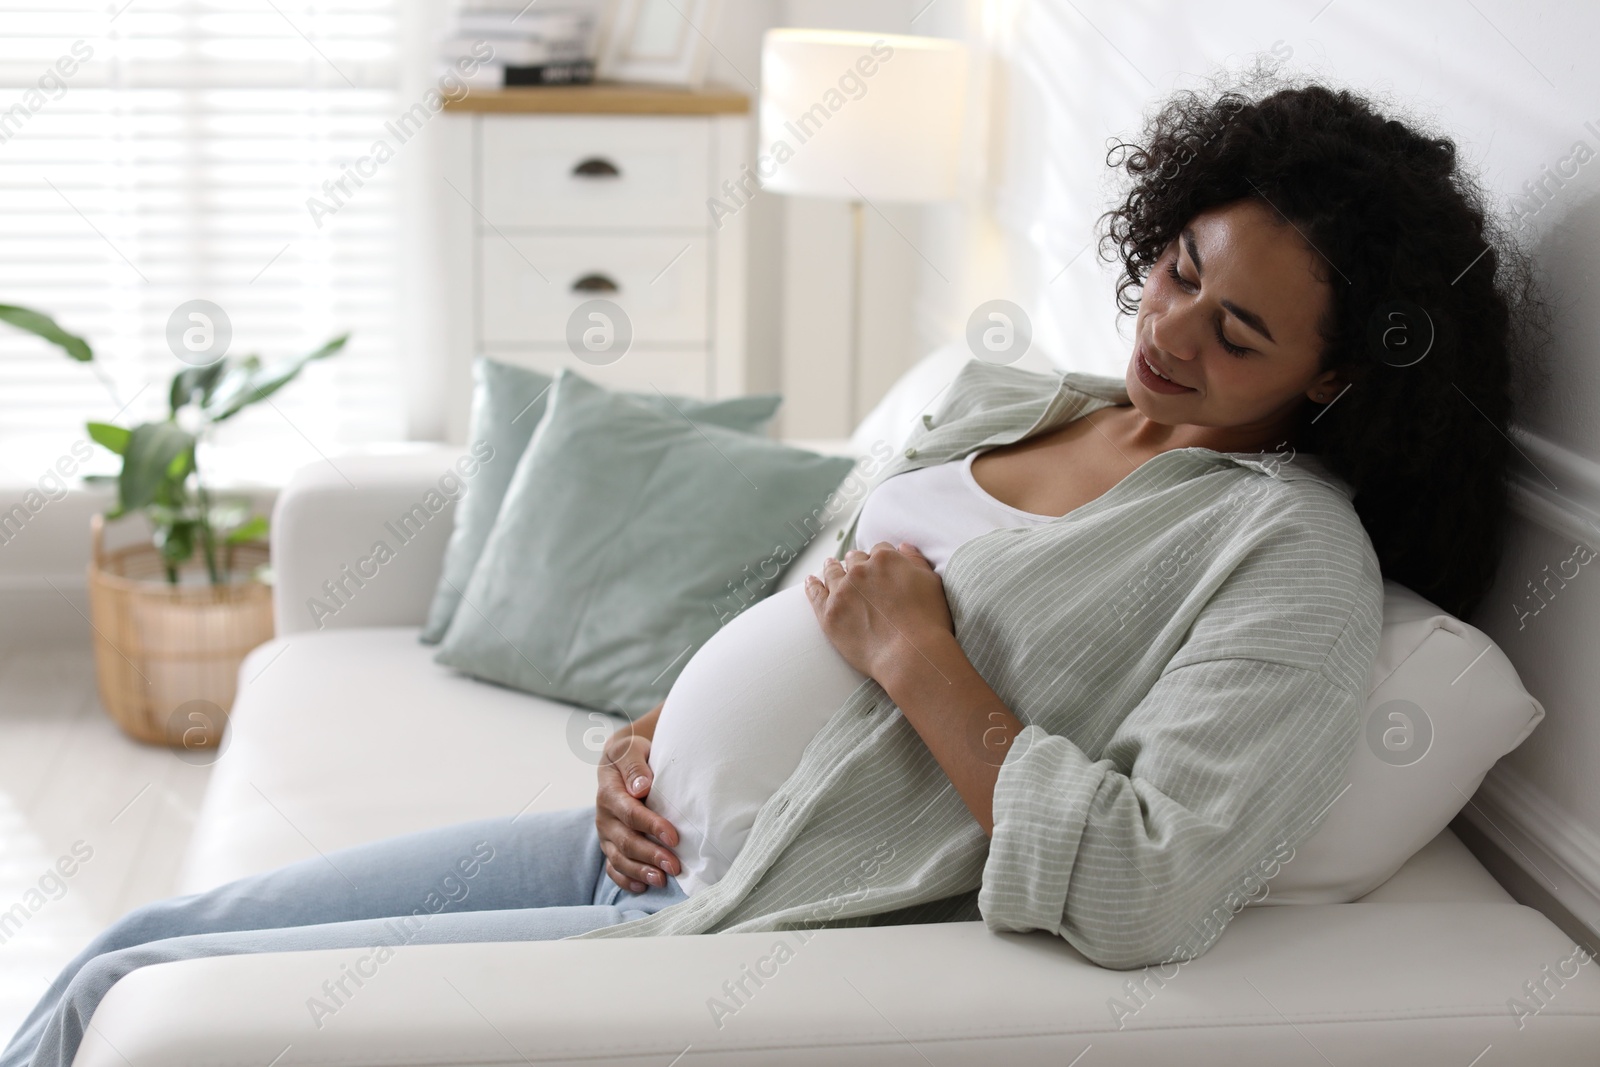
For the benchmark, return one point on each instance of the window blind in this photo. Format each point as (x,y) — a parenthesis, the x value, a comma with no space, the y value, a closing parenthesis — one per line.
(161,151)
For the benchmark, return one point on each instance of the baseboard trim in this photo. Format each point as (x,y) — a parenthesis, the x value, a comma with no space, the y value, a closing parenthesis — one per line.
(1558,857)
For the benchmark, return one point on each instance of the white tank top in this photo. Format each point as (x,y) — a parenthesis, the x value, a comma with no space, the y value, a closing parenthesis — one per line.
(935,508)
(749,701)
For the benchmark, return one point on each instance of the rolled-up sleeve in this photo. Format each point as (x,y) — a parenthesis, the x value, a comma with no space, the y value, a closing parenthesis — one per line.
(1142,856)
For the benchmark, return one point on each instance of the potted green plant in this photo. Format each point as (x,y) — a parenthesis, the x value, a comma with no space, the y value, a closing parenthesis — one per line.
(173,618)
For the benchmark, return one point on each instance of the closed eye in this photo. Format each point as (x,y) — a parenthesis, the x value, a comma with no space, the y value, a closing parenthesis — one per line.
(1227,345)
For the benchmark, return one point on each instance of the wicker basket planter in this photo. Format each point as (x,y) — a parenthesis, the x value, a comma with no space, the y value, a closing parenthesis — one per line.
(167,657)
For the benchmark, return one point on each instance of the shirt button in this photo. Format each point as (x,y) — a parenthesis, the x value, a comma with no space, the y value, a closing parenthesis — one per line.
(911,453)
(927,420)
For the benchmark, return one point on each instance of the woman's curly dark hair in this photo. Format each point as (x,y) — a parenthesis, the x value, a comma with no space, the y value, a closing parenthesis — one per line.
(1406,237)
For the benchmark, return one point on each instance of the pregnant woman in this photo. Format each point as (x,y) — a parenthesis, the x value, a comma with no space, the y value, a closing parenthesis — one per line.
(1091,650)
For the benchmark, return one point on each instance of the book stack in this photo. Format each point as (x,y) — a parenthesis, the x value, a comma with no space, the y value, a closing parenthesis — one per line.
(526,44)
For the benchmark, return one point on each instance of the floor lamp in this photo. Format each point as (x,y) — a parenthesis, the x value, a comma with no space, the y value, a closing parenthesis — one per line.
(869,118)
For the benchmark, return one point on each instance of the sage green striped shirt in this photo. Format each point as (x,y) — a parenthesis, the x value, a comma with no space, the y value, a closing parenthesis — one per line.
(1189,654)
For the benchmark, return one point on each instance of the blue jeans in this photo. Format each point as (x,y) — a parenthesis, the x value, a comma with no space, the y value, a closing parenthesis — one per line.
(538,878)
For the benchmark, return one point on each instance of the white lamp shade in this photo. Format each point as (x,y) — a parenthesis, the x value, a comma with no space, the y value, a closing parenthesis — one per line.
(868,116)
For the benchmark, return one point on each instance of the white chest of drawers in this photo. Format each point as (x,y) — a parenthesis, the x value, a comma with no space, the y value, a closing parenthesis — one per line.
(566,195)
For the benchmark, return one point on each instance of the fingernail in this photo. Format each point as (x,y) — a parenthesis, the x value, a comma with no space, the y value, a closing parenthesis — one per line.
(652,877)
(638,784)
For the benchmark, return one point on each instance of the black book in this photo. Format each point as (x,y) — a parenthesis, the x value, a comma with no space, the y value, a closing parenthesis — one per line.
(572,72)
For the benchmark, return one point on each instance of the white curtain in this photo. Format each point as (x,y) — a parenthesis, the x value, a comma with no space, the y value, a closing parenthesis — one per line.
(160,151)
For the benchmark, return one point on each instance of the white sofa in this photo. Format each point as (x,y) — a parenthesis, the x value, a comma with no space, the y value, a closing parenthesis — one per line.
(352,733)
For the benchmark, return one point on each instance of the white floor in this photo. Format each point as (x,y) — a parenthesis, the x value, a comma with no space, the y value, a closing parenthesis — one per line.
(69,777)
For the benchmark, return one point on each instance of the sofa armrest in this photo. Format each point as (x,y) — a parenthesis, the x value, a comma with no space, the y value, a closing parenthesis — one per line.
(1364,983)
(329,523)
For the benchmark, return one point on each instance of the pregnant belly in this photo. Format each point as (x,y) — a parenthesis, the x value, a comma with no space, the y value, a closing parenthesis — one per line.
(735,724)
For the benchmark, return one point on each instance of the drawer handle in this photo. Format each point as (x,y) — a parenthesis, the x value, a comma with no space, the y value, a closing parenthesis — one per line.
(596,167)
(595,283)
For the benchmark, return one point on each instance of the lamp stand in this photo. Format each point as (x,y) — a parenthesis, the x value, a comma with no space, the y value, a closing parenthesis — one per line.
(858,228)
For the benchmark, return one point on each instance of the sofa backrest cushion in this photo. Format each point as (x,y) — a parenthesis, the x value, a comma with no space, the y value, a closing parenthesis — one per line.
(628,536)
(508,403)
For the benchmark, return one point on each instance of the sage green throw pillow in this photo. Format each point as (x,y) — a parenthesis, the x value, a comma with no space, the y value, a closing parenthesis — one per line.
(507,403)
(620,535)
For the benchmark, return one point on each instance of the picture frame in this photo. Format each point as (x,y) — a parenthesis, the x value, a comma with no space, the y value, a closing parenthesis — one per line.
(657,42)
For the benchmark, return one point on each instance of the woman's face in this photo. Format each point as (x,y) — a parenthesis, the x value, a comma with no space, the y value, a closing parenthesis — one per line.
(1231,311)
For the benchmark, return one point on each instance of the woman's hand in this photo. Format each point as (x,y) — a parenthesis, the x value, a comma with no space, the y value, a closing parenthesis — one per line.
(631,835)
(877,606)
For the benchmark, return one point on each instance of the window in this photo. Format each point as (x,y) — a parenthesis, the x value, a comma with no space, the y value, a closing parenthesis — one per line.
(158,151)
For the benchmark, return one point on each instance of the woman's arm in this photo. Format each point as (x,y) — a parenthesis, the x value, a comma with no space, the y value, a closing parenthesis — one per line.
(1211,779)
(893,624)
(962,721)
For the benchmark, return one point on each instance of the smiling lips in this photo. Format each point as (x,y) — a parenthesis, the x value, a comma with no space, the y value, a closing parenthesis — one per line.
(1152,371)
